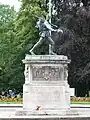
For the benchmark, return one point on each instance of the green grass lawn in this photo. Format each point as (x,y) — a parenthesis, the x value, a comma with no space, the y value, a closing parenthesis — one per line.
(15,102)
(80,102)
(19,102)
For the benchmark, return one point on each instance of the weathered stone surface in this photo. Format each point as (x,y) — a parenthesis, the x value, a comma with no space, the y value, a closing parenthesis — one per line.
(46,87)
(46,57)
(46,73)
(47,97)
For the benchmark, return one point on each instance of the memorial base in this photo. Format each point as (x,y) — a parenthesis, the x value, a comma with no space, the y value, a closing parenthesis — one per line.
(45,98)
(46,90)
(61,112)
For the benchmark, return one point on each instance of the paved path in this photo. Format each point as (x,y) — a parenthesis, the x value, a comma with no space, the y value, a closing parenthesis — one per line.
(20,105)
(9,110)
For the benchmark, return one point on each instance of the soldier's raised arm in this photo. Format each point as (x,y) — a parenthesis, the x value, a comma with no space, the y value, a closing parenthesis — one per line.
(48,26)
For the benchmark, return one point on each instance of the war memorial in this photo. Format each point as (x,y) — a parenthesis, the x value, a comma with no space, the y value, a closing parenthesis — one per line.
(46,92)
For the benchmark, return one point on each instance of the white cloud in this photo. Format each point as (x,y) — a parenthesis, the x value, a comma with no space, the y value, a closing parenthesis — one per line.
(14,3)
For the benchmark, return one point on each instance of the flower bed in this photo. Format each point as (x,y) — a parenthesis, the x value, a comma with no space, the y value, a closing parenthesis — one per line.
(12,99)
(19,100)
(80,99)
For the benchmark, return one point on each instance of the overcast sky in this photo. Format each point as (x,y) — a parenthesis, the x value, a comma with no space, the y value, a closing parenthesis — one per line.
(11,3)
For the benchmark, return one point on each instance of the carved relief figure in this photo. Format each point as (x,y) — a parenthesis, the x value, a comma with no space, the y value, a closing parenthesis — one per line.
(26,73)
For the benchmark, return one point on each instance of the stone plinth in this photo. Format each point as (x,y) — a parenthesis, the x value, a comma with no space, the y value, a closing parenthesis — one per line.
(46,90)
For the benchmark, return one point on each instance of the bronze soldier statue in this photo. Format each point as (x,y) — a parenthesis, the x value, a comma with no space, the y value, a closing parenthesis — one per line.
(45,29)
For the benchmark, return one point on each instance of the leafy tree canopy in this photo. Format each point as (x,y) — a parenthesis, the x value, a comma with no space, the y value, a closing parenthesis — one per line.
(7,16)
(18,34)
(74,18)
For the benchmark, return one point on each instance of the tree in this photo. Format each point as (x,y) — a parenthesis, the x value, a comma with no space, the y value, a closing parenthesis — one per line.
(72,18)
(26,35)
(7,15)
(75,42)
(18,37)
(20,34)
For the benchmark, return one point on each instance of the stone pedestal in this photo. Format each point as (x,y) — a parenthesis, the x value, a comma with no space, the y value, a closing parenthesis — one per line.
(46,90)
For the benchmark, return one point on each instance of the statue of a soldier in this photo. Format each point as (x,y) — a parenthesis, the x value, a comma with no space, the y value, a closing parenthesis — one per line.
(45,29)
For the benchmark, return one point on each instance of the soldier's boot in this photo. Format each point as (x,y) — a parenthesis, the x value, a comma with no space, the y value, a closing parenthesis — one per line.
(32,53)
(54,53)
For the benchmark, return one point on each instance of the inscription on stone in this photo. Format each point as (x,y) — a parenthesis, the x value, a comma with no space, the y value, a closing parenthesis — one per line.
(46,73)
